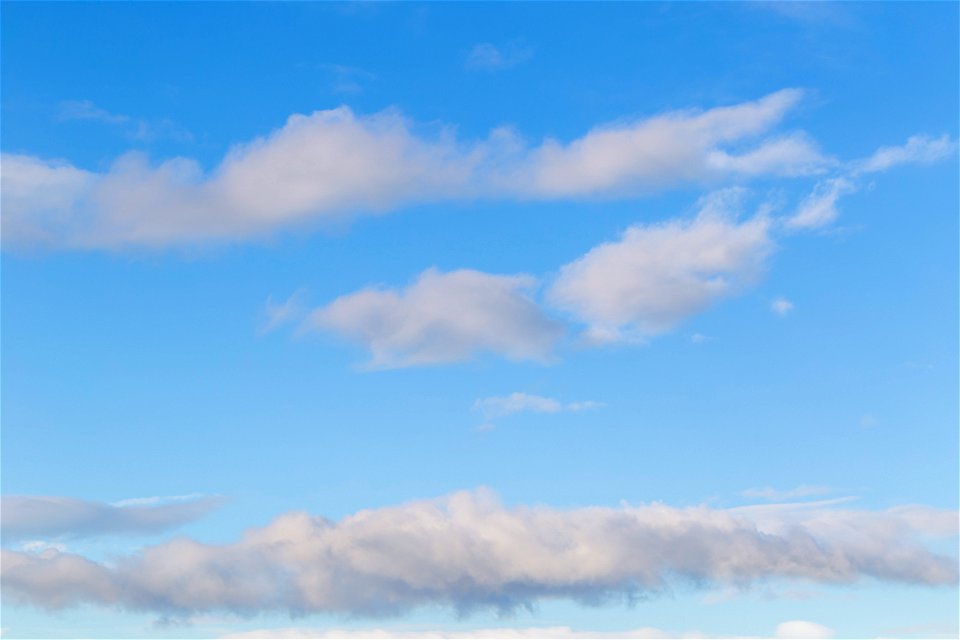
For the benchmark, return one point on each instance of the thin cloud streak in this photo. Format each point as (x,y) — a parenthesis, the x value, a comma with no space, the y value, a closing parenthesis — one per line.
(52,516)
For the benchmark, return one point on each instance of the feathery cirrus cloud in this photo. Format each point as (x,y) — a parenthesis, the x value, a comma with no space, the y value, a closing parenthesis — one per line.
(468,551)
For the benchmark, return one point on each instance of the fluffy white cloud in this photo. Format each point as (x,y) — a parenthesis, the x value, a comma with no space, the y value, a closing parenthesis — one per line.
(657,275)
(467,550)
(500,406)
(443,317)
(41,516)
(917,150)
(334,163)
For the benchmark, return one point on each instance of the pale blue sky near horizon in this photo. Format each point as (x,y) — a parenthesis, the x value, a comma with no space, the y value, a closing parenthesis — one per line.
(139,369)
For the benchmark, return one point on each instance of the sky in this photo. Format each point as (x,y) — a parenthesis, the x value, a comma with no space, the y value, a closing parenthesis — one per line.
(479,320)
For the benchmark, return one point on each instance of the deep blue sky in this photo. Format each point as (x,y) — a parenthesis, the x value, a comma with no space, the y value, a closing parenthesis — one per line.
(136,371)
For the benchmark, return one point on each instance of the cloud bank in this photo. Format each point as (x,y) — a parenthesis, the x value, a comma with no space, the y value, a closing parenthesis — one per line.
(52,516)
(790,629)
(467,550)
(335,163)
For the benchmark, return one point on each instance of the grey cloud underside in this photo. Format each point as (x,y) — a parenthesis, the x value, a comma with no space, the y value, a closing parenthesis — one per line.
(53,516)
(334,163)
(467,550)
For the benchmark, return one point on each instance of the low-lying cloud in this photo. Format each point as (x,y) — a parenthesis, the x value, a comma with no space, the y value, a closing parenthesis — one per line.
(790,629)
(468,551)
(55,516)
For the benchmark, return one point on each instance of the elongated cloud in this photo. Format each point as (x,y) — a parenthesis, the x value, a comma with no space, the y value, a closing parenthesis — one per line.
(500,406)
(791,629)
(443,317)
(52,516)
(918,149)
(334,163)
(467,550)
(656,275)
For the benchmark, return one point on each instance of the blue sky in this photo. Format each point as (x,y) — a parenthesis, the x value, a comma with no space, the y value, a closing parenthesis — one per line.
(572,318)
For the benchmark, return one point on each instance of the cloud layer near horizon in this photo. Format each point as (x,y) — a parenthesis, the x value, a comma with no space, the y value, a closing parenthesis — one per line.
(789,629)
(335,163)
(467,550)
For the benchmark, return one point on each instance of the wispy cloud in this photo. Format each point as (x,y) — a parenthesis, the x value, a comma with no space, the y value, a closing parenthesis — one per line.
(488,57)
(467,550)
(518,402)
(769,493)
(53,516)
(277,314)
(139,129)
(781,306)
(819,209)
(917,150)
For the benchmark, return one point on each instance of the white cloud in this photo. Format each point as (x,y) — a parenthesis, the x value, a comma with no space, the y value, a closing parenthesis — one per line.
(794,155)
(467,550)
(36,516)
(500,406)
(802,629)
(820,207)
(489,57)
(443,317)
(334,164)
(781,306)
(657,275)
(769,493)
(918,149)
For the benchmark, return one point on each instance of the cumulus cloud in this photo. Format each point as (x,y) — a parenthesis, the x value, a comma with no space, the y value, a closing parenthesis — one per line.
(517,402)
(657,275)
(918,149)
(335,163)
(46,516)
(443,317)
(467,550)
